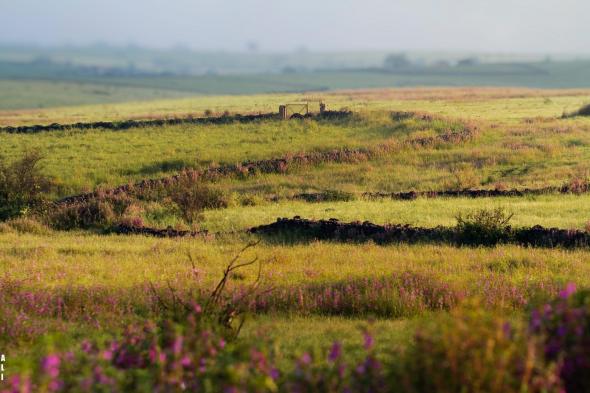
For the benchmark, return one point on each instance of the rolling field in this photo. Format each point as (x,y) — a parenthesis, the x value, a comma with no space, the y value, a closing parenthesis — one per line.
(396,309)
(41,82)
(42,94)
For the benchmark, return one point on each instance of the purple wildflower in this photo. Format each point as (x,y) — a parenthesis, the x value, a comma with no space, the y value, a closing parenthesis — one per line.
(305,359)
(274,373)
(369,341)
(569,290)
(335,351)
(51,365)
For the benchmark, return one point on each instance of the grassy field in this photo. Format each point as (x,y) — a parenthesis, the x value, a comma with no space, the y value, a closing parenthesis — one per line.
(43,94)
(573,212)
(522,142)
(100,157)
(495,104)
(76,284)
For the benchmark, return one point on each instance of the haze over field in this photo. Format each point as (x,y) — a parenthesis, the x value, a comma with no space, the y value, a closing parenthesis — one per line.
(524,26)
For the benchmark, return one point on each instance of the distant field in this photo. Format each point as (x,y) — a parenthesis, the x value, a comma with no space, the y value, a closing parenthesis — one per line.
(44,94)
(34,85)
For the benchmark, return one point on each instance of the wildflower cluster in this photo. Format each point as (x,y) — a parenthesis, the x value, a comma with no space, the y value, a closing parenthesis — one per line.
(165,357)
(565,327)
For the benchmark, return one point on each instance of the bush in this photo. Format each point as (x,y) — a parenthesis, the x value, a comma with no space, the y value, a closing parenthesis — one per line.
(338,196)
(464,177)
(484,227)
(5,228)
(577,185)
(27,225)
(193,198)
(469,351)
(22,186)
(100,212)
(473,350)
(565,328)
(251,200)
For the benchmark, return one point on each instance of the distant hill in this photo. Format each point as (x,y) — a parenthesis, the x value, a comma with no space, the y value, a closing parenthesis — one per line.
(32,78)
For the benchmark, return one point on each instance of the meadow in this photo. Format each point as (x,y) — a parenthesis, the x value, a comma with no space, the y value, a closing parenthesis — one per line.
(85,308)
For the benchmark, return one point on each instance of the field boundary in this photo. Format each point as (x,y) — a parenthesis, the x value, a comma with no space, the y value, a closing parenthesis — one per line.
(298,228)
(124,229)
(330,196)
(128,124)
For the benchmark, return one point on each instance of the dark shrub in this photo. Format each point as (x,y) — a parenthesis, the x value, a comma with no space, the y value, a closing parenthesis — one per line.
(193,198)
(22,186)
(584,111)
(484,227)
(327,196)
(577,185)
(100,212)
(28,225)
(338,196)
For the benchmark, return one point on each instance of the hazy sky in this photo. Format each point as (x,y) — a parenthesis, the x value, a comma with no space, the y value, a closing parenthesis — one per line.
(540,26)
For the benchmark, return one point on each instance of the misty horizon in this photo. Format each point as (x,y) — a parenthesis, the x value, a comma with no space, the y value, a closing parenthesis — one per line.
(460,26)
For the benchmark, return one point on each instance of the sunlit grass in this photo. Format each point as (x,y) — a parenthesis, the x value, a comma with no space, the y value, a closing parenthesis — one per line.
(573,211)
(84,159)
(498,104)
(64,259)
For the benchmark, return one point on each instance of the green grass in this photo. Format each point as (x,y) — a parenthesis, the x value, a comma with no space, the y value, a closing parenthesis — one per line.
(540,210)
(496,104)
(293,335)
(515,154)
(522,143)
(80,160)
(534,155)
(126,262)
